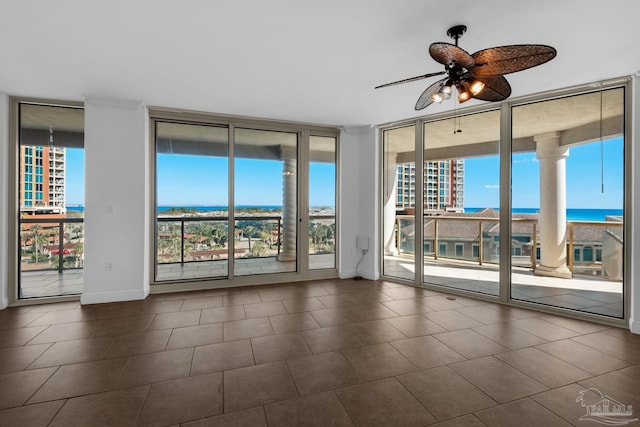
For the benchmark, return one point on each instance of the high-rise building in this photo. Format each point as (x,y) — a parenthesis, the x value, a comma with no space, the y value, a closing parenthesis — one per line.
(42,179)
(443,185)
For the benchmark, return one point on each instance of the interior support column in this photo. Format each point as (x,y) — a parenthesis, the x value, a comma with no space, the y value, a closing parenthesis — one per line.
(553,206)
(289,204)
(390,194)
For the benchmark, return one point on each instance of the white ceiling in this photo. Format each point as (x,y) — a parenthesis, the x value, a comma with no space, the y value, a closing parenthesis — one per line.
(310,61)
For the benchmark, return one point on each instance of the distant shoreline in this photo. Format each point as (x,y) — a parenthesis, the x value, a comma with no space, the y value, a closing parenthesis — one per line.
(573,214)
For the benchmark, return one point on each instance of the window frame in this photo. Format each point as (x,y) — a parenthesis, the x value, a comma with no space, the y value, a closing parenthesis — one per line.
(624,82)
(304,131)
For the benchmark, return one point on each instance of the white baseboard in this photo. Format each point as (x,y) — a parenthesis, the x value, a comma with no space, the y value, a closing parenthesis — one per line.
(349,274)
(369,274)
(634,326)
(104,297)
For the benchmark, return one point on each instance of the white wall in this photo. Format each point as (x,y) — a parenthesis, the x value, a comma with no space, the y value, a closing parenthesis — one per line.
(116,266)
(358,201)
(4,201)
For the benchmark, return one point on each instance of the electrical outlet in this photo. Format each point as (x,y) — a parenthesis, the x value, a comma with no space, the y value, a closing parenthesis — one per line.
(362,243)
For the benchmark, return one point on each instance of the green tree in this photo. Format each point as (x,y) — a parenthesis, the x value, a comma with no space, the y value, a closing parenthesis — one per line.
(78,250)
(259,249)
(249,231)
(38,236)
(219,234)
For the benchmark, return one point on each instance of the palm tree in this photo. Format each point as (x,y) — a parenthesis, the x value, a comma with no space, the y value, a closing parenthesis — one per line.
(35,236)
(25,236)
(176,239)
(259,250)
(249,230)
(320,234)
(219,234)
(78,249)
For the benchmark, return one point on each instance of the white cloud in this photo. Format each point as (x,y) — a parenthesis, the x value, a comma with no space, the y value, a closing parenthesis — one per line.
(531,159)
(492,187)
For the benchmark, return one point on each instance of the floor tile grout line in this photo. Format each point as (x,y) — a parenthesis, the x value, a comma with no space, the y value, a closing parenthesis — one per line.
(594,349)
(41,385)
(551,409)
(427,409)
(344,406)
(141,410)
(540,381)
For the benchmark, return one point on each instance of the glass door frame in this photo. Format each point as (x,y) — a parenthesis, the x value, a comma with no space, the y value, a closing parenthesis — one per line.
(303,131)
(13,228)
(505,197)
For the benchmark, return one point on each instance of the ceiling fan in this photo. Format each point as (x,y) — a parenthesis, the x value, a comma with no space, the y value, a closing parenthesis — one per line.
(479,75)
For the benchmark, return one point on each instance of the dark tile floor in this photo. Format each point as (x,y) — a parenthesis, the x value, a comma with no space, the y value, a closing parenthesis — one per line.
(332,352)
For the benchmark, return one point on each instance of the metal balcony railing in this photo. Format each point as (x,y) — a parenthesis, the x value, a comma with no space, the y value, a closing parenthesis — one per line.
(41,240)
(46,238)
(185,231)
(477,240)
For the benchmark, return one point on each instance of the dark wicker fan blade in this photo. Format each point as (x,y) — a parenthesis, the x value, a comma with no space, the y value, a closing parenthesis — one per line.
(496,88)
(425,99)
(411,79)
(509,59)
(446,53)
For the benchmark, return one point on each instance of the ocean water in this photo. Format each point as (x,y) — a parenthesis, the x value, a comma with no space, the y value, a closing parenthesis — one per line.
(80,208)
(199,208)
(572,214)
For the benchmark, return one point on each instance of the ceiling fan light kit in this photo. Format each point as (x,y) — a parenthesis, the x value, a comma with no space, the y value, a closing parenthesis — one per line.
(478,75)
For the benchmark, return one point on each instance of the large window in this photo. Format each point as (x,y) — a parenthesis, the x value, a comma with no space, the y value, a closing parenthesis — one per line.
(568,199)
(192,232)
(50,186)
(234,200)
(322,202)
(399,201)
(543,178)
(461,186)
(265,201)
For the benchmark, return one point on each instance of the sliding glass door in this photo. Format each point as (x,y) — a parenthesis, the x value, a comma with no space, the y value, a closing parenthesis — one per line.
(399,202)
(525,203)
(568,202)
(50,182)
(461,232)
(239,200)
(322,202)
(192,230)
(265,202)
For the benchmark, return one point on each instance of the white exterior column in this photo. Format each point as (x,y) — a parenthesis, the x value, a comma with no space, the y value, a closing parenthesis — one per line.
(553,206)
(390,194)
(289,204)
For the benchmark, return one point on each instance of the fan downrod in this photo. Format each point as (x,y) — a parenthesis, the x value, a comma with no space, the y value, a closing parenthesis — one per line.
(456,32)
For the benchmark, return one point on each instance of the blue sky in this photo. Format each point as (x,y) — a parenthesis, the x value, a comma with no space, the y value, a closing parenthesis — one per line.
(198,180)
(482,178)
(75,176)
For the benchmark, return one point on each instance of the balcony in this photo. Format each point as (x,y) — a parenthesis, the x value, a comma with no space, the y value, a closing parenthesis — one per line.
(197,247)
(51,256)
(463,253)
